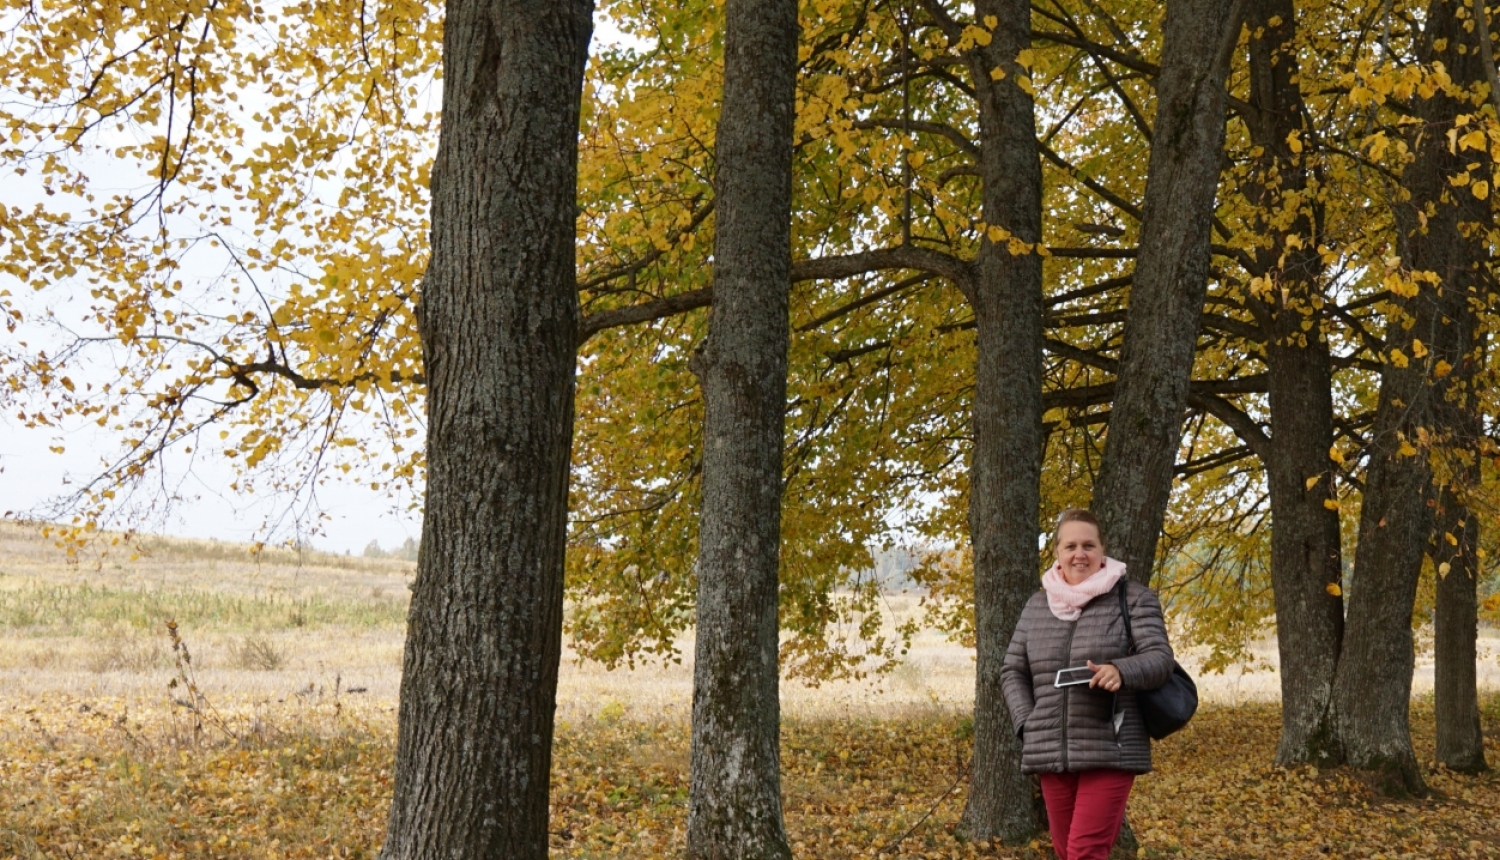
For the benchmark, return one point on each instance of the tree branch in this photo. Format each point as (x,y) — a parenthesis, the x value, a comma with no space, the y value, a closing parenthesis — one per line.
(1090,183)
(835,267)
(1234,418)
(650,256)
(958,138)
(862,301)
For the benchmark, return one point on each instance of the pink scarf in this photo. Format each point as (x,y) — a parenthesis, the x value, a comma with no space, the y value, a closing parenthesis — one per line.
(1067,601)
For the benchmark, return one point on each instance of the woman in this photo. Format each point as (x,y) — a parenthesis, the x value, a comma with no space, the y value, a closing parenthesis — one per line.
(1086,740)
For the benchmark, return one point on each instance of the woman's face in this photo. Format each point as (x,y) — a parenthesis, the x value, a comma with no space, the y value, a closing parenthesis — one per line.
(1080,552)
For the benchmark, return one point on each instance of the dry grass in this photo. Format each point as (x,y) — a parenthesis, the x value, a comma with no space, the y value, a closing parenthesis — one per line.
(97,627)
(299,663)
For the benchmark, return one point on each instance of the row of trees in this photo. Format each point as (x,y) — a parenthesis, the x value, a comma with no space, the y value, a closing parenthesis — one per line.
(1226,272)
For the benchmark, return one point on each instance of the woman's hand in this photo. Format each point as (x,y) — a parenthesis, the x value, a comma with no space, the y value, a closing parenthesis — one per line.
(1106,677)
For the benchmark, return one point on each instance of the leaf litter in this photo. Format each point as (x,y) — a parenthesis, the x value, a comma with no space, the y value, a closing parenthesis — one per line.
(104,778)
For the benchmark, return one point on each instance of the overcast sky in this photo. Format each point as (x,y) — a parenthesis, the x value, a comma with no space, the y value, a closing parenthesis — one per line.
(31,474)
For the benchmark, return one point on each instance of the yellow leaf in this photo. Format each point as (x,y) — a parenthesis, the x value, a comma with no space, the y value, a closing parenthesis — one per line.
(1442,369)
(1333,588)
(1336,455)
(1399,358)
(1313,481)
(997,74)
(1481,189)
(1331,504)
(1418,348)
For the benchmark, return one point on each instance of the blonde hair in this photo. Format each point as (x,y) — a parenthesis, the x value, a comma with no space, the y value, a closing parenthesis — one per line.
(1078,515)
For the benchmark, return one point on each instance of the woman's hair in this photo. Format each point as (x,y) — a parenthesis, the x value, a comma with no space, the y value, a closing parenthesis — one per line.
(1078,515)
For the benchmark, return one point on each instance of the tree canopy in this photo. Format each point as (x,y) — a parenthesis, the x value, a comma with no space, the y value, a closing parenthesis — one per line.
(219,230)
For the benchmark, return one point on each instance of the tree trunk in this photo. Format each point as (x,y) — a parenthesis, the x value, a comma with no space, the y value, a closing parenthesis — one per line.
(1455,539)
(1005,470)
(498,319)
(1305,551)
(1171,279)
(734,804)
(1373,689)
(1460,737)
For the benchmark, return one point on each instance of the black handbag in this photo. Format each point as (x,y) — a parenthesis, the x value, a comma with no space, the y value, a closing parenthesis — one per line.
(1169,707)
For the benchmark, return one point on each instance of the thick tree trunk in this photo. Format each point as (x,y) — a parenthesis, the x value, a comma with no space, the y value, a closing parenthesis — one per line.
(1005,469)
(734,805)
(1373,689)
(499,314)
(1373,685)
(1455,539)
(1305,551)
(1171,279)
(1460,736)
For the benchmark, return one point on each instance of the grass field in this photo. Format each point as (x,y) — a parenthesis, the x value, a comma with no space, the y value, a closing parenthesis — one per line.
(288,752)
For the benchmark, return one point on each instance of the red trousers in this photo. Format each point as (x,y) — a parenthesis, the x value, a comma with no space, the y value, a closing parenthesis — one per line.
(1084,811)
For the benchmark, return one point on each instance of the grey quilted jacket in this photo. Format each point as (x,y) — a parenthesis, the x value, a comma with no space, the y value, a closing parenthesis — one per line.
(1070,729)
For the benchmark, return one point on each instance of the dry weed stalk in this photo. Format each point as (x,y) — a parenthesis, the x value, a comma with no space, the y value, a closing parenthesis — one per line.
(196,702)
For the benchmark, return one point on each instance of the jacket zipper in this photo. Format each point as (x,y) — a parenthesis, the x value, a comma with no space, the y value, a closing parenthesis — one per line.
(1067,691)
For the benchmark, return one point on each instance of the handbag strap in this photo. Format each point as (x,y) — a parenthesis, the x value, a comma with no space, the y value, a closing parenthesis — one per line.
(1125,613)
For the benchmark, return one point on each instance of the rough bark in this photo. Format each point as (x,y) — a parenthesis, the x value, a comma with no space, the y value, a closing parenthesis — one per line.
(1305,551)
(1459,427)
(1171,279)
(734,804)
(498,319)
(1460,735)
(1373,689)
(1005,465)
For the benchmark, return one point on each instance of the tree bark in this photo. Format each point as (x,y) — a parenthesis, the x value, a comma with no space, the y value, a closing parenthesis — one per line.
(1171,279)
(1306,557)
(1006,460)
(1373,689)
(1460,735)
(734,804)
(1459,427)
(498,317)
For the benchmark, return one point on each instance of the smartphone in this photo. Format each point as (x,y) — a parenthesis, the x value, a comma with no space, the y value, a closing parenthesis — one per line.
(1073,676)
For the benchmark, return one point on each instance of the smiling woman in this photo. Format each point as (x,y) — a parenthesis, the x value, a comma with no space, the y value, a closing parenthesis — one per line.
(1087,743)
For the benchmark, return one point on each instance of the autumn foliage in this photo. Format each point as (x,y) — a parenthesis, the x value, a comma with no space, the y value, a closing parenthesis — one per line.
(95,777)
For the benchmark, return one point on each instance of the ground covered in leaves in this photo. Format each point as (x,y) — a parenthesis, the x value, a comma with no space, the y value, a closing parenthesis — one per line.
(311,777)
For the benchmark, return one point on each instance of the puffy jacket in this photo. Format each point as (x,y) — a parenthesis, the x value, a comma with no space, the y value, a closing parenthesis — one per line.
(1071,729)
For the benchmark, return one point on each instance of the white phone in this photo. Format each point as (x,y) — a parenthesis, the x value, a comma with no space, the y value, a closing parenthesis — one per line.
(1074,676)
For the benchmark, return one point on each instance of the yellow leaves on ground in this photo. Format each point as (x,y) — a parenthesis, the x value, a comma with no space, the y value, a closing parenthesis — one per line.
(1233,806)
(93,779)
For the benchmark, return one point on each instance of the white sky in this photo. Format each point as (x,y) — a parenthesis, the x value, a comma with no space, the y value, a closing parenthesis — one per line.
(31,474)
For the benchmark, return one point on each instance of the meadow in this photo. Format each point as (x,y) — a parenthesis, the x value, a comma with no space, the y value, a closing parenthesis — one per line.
(264,726)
